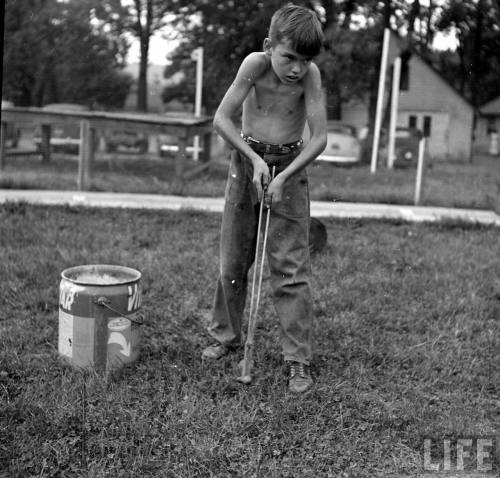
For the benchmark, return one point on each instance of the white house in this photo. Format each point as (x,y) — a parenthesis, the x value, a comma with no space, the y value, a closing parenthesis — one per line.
(428,102)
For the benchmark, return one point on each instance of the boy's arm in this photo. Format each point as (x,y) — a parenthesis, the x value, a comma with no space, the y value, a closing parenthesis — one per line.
(251,68)
(316,119)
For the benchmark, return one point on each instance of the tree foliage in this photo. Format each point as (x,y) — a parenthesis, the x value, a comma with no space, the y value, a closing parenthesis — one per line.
(143,18)
(478,53)
(347,65)
(228,30)
(53,53)
(73,50)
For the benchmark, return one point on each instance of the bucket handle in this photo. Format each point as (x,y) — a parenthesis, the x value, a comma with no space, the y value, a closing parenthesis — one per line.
(104,302)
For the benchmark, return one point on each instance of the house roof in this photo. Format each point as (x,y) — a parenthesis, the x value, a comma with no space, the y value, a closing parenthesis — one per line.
(406,46)
(492,107)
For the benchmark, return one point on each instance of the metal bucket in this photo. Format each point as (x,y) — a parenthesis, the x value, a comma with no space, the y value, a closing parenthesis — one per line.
(99,317)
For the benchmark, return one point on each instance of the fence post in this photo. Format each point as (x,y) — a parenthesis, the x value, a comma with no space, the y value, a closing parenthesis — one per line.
(92,150)
(84,156)
(380,100)
(198,56)
(180,159)
(396,76)
(207,146)
(45,144)
(3,138)
(420,169)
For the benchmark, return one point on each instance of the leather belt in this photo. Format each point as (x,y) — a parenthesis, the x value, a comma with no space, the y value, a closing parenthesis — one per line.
(271,148)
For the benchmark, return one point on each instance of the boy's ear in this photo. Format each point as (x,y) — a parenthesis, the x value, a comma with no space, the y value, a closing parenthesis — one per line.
(267,46)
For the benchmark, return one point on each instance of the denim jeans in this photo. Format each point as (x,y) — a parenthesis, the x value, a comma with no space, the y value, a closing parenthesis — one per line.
(287,255)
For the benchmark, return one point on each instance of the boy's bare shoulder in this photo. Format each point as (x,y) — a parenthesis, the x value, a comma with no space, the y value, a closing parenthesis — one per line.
(255,64)
(313,74)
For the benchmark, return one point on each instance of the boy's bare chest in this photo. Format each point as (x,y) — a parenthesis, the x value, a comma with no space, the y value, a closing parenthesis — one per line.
(273,100)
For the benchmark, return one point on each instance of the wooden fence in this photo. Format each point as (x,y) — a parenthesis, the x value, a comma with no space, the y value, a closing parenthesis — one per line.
(184,128)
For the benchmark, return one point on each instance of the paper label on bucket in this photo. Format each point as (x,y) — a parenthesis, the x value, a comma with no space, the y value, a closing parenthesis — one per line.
(65,334)
(119,338)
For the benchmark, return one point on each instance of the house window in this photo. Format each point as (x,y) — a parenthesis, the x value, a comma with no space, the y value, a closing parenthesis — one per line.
(412,121)
(404,81)
(427,126)
(491,127)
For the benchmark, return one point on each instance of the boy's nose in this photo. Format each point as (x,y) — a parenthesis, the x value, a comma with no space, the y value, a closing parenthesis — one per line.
(296,68)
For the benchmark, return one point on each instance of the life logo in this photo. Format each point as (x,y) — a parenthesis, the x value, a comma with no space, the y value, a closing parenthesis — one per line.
(67,296)
(134,297)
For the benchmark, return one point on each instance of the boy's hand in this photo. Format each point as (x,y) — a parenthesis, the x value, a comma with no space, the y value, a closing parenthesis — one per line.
(261,177)
(274,192)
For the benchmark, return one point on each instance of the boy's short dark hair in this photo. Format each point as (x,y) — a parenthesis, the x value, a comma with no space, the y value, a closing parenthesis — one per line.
(301,26)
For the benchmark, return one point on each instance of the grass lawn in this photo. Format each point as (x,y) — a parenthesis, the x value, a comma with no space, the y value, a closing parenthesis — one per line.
(449,184)
(407,342)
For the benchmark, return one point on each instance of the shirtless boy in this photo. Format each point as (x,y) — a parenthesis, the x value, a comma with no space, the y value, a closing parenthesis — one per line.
(279,90)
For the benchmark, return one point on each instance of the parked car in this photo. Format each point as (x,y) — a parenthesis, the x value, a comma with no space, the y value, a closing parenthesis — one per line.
(168,144)
(125,139)
(12,132)
(65,137)
(405,147)
(343,145)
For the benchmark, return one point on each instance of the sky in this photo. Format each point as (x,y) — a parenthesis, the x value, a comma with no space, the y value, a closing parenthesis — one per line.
(158,49)
(444,41)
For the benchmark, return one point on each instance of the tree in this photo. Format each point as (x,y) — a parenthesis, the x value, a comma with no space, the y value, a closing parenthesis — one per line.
(55,54)
(231,30)
(228,30)
(350,61)
(347,66)
(476,24)
(143,19)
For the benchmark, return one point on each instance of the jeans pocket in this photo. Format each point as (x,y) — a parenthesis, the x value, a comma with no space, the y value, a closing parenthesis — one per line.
(295,200)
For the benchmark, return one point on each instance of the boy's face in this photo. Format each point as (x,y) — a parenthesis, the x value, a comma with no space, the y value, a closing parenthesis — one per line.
(288,65)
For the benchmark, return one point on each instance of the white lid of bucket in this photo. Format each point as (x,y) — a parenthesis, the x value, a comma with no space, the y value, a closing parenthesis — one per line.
(101,274)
